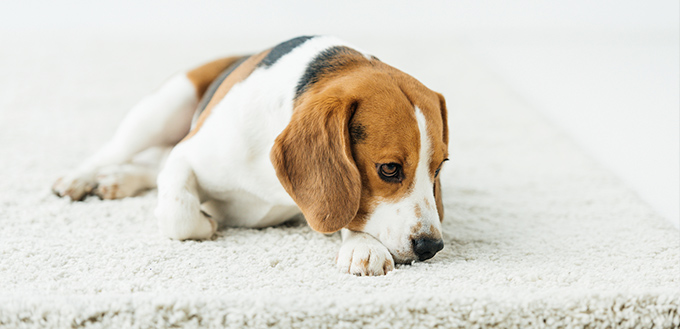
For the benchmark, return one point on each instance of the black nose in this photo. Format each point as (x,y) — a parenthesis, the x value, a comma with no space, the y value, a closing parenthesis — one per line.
(426,248)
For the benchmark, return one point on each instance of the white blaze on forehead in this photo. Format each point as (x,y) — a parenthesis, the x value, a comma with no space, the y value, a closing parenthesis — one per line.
(394,223)
(422,178)
(422,184)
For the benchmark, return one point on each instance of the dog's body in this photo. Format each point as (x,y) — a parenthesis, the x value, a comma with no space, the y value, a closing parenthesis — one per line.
(311,125)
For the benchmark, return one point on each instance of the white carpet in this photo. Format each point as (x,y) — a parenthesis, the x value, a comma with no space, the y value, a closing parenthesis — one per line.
(536,233)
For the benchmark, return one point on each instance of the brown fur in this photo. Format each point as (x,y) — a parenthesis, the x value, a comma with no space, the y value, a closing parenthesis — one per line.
(202,76)
(239,74)
(445,139)
(438,198)
(334,181)
(364,263)
(415,232)
(396,129)
(416,228)
(314,163)
(434,232)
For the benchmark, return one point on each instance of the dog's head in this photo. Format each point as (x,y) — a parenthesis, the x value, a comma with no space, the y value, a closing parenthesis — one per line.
(363,151)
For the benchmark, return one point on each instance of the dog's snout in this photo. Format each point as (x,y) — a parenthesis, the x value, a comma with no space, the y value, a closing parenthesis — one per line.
(426,248)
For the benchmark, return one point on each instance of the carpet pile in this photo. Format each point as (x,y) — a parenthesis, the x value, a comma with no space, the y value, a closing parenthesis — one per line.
(536,233)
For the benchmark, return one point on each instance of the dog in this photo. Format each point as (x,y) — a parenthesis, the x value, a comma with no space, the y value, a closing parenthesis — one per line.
(311,126)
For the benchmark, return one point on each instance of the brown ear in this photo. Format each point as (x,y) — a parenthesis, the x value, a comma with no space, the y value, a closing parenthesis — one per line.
(314,162)
(445,138)
(438,198)
(445,122)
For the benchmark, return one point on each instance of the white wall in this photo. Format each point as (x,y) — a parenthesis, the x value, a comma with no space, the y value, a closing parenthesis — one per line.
(609,74)
(352,15)
(605,71)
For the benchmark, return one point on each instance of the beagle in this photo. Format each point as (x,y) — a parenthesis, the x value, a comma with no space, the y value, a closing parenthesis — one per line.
(310,126)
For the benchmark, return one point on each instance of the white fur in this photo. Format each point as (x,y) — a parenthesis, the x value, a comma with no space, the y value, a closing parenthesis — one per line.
(229,155)
(120,181)
(179,207)
(392,222)
(160,119)
(362,254)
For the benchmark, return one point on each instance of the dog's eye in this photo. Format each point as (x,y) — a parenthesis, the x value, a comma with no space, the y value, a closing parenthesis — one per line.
(389,169)
(390,172)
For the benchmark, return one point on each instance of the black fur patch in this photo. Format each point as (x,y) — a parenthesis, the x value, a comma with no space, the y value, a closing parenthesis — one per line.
(357,133)
(210,92)
(282,49)
(325,62)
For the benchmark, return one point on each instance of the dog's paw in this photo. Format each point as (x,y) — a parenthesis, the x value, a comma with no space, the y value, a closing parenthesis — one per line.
(181,218)
(76,187)
(110,187)
(112,184)
(364,256)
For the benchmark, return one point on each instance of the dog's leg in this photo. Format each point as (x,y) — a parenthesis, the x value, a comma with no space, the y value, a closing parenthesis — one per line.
(161,119)
(129,179)
(362,254)
(179,205)
(122,181)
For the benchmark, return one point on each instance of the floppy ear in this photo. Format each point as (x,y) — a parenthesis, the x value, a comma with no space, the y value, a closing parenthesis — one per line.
(314,162)
(445,138)
(438,198)
(445,122)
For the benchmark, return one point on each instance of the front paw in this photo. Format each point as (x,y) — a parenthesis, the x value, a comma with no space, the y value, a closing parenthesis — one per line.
(364,256)
(73,186)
